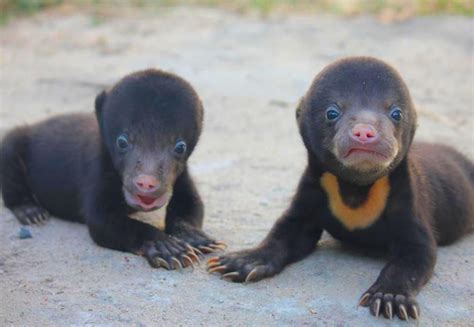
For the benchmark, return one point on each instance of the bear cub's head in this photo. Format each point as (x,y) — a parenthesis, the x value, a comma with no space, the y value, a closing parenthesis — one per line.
(150,122)
(357,119)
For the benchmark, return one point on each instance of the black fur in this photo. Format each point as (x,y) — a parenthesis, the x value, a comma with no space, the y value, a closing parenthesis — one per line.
(431,187)
(71,167)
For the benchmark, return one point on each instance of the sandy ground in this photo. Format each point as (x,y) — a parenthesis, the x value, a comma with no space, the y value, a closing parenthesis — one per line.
(250,74)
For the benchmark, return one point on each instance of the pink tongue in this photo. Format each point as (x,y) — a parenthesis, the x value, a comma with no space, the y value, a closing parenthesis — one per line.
(146,199)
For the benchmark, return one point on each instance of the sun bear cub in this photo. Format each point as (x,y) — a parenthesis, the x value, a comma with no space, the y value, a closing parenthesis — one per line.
(367,184)
(118,171)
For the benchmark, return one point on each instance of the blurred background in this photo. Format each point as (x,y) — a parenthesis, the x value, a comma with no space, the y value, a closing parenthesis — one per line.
(388,10)
(250,61)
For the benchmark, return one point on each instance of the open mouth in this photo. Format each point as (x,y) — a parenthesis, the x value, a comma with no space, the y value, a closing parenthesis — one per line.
(146,202)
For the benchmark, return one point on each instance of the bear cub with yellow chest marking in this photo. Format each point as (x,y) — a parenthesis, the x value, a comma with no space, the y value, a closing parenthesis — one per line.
(119,171)
(365,183)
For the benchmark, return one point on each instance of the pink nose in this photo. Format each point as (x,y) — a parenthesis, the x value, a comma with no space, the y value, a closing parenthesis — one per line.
(364,133)
(146,183)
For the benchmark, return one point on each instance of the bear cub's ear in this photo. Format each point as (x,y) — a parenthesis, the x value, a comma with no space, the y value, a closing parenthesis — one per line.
(299,108)
(99,103)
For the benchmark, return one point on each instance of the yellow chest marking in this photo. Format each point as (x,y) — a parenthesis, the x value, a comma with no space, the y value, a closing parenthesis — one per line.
(362,216)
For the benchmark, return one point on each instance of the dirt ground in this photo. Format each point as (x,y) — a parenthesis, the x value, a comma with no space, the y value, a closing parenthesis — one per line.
(250,74)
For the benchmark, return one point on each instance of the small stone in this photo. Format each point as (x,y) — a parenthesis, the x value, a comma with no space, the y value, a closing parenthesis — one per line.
(24,233)
(279,103)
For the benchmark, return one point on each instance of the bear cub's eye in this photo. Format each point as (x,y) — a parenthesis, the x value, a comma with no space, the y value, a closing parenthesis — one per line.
(180,147)
(122,143)
(396,114)
(333,113)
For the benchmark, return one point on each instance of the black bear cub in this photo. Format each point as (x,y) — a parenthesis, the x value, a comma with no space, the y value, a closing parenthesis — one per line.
(119,172)
(366,184)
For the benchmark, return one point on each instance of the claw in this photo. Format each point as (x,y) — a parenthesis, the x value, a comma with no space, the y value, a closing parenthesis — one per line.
(178,264)
(189,247)
(251,275)
(194,257)
(230,275)
(218,269)
(415,312)
(389,310)
(206,248)
(403,312)
(189,260)
(163,263)
(212,260)
(199,253)
(218,246)
(213,264)
(378,302)
(177,240)
(364,299)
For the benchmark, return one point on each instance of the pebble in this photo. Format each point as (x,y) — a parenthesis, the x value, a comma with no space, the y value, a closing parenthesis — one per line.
(24,233)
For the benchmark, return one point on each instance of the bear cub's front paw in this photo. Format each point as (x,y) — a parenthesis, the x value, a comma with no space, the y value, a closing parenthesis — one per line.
(390,303)
(170,253)
(245,266)
(197,239)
